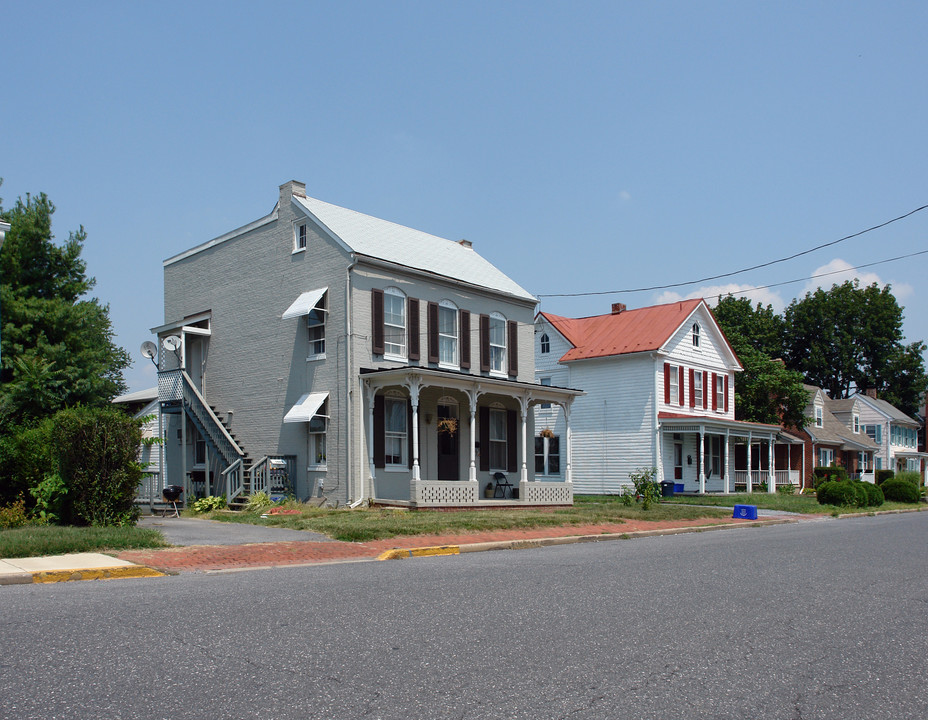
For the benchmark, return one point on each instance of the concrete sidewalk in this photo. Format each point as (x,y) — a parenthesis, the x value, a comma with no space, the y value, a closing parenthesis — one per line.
(74,566)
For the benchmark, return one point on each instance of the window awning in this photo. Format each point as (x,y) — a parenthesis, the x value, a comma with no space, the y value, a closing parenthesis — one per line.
(304,304)
(306,407)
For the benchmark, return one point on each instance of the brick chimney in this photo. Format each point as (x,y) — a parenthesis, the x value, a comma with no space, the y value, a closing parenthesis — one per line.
(618,308)
(870,392)
(289,189)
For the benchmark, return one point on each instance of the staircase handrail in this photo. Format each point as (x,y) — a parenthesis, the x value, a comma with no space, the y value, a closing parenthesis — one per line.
(261,476)
(233,480)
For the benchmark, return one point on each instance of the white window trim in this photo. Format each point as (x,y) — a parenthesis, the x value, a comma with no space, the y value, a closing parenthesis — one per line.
(819,416)
(456,363)
(324,325)
(296,238)
(503,370)
(674,380)
(696,333)
(388,354)
(403,465)
(720,393)
(505,441)
(856,423)
(546,445)
(698,390)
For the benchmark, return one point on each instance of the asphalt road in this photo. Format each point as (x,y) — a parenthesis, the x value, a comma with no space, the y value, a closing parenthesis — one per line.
(819,619)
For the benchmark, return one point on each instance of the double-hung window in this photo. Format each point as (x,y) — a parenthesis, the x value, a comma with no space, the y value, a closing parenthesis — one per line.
(548,455)
(394,322)
(697,388)
(299,237)
(317,429)
(826,456)
(856,423)
(447,333)
(395,438)
(720,392)
(497,343)
(819,417)
(499,448)
(673,382)
(315,322)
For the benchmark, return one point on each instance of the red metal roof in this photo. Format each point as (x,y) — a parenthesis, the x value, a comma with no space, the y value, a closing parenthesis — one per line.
(630,331)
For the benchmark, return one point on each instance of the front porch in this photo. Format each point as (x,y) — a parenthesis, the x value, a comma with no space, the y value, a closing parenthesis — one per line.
(444,439)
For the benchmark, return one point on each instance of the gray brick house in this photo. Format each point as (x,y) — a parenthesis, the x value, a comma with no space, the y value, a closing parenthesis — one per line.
(325,352)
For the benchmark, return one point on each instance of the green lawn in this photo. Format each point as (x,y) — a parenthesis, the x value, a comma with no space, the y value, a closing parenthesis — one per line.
(37,540)
(806,504)
(377,523)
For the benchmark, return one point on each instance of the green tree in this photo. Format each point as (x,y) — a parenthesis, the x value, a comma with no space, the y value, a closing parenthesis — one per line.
(58,346)
(766,391)
(849,338)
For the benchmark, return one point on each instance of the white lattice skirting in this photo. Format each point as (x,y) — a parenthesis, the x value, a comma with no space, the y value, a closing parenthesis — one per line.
(546,493)
(446,493)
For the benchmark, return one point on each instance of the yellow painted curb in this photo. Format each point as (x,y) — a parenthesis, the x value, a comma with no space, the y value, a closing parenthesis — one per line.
(400,553)
(132,571)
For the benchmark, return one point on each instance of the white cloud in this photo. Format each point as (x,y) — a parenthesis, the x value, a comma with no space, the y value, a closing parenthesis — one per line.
(764,296)
(836,272)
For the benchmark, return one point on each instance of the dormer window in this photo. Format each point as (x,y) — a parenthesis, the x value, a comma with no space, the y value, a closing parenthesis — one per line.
(696,335)
(545,344)
(819,417)
(856,423)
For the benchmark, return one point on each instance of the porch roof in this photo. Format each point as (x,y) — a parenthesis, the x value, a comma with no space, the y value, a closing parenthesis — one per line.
(465,381)
(739,427)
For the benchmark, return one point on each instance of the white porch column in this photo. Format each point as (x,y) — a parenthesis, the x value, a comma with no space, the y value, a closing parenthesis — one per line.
(748,487)
(568,447)
(473,394)
(702,460)
(726,466)
(771,470)
(523,406)
(414,387)
(370,435)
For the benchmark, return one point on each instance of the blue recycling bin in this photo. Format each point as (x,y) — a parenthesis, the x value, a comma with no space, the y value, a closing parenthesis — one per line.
(745,512)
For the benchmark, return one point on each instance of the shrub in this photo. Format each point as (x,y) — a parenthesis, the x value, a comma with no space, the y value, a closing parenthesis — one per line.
(258,501)
(882,476)
(911,476)
(14,515)
(875,496)
(645,486)
(896,490)
(209,503)
(96,452)
(26,457)
(788,489)
(847,494)
(832,473)
(50,497)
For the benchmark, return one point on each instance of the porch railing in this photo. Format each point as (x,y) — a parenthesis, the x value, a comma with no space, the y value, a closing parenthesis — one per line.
(261,476)
(233,480)
(780,477)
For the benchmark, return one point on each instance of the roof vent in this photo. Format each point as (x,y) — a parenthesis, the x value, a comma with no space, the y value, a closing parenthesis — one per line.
(618,308)
(465,243)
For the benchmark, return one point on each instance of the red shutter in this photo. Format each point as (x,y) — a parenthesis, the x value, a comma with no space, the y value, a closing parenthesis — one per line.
(726,393)
(680,398)
(484,434)
(484,343)
(412,327)
(692,388)
(715,397)
(465,340)
(379,438)
(511,446)
(705,395)
(513,350)
(432,321)
(667,383)
(377,321)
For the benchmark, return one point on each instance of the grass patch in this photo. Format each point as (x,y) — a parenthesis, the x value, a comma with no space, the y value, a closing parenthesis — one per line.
(805,504)
(37,540)
(365,524)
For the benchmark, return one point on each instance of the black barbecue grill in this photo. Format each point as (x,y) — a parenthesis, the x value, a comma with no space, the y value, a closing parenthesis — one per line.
(171,495)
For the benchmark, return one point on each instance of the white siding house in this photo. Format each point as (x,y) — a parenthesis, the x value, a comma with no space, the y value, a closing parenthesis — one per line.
(659,385)
(895,434)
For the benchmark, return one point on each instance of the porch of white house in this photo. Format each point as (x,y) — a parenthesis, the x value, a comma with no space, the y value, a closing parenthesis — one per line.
(465,436)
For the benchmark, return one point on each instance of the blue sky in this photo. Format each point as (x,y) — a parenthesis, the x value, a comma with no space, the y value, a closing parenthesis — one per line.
(582,147)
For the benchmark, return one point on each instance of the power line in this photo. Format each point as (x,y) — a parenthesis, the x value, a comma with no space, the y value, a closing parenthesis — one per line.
(743,270)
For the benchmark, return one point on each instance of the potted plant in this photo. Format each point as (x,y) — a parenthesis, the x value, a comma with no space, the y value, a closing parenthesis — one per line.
(448,425)
(488,490)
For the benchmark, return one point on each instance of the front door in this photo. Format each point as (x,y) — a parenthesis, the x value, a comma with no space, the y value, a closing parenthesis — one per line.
(449,436)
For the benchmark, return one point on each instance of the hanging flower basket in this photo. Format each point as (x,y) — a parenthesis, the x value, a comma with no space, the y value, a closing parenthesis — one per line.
(547,432)
(448,425)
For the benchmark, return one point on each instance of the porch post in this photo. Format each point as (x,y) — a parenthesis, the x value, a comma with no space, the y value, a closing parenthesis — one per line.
(371,392)
(472,395)
(567,472)
(523,473)
(702,447)
(413,386)
(726,466)
(771,470)
(748,487)
(183,456)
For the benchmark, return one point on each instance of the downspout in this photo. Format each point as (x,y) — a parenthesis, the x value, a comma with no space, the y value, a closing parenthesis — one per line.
(349,391)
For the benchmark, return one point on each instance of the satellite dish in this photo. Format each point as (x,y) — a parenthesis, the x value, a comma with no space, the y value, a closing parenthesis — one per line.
(149,349)
(171,342)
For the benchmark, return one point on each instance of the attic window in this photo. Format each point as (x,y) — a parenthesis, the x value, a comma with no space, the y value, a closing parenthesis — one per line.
(299,238)
(545,344)
(819,417)
(696,335)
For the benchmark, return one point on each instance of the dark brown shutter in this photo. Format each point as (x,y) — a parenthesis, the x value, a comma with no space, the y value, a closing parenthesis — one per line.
(511,445)
(412,327)
(715,398)
(680,394)
(377,321)
(484,433)
(379,443)
(667,383)
(432,319)
(705,397)
(513,350)
(465,339)
(484,343)
(692,388)
(409,433)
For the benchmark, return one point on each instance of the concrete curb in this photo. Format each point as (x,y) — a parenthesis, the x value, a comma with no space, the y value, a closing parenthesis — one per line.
(55,576)
(401,553)
(70,567)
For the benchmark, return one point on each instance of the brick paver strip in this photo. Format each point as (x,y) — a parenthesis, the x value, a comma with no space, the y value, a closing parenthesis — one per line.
(202,558)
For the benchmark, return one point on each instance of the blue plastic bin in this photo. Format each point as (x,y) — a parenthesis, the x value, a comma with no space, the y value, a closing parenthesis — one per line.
(678,487)
(745,512)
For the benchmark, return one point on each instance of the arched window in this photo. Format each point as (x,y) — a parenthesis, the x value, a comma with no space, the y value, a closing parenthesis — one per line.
(695,334)
(394,321)
(545,344)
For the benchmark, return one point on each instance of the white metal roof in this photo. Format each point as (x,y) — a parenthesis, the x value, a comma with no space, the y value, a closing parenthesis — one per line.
(304,304)
(384,240)
(306,407)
